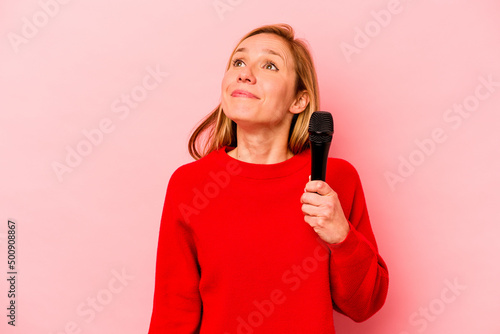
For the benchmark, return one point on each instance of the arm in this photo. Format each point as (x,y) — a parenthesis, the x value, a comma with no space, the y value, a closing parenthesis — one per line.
(358,275)
(177,306)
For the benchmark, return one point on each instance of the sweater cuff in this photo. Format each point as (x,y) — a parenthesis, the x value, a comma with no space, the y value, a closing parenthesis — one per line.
(343,252)
(349,242)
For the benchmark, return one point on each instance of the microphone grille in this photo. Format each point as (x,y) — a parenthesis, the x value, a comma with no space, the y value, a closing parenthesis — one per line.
(321,127)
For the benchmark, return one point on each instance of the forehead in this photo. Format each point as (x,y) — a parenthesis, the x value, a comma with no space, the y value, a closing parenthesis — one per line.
(267,43)
(267,38)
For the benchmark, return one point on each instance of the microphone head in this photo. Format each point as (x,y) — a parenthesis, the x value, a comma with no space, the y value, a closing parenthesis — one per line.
(321,127)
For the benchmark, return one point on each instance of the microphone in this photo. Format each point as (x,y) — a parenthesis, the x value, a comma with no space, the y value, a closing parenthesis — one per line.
(320,138)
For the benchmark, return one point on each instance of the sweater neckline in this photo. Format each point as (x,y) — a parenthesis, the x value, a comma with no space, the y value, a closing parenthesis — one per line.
(264,171)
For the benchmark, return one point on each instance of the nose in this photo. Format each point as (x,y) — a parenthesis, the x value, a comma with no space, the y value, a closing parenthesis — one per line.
(245,75)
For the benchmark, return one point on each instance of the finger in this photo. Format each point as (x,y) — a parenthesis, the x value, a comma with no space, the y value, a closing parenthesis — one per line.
(312,210)
(315,222)
(311,198)
(324,203)
(320,187)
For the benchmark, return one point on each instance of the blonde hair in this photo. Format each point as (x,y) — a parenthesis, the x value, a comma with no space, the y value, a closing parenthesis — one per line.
(217,130)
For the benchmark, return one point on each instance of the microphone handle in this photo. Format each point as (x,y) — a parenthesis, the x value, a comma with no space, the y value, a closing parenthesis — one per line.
(319,157)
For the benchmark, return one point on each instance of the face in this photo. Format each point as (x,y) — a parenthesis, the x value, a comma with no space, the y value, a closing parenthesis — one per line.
(258,89)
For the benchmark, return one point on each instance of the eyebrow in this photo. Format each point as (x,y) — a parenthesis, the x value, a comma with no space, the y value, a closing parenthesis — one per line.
(269,51)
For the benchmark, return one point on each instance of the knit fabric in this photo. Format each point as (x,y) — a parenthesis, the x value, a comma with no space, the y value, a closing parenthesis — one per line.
(235,255)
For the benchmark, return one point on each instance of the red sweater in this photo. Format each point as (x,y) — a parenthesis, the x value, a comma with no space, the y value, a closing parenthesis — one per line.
(235,255)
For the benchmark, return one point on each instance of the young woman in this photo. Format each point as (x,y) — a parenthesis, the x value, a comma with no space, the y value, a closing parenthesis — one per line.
(247,244)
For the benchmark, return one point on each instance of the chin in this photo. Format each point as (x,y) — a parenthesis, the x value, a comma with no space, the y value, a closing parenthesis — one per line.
(239,113)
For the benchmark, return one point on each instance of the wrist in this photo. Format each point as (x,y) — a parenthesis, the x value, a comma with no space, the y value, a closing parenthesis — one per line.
(342,234)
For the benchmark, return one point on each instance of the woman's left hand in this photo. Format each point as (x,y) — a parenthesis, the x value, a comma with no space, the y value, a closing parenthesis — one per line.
(323,212)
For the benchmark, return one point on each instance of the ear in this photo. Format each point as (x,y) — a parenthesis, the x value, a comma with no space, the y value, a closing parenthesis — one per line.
(300,103)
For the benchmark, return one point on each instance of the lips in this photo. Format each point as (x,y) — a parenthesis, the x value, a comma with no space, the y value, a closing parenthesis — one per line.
(243,93)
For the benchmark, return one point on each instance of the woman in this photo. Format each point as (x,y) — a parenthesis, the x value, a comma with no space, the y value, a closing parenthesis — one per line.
(247,244)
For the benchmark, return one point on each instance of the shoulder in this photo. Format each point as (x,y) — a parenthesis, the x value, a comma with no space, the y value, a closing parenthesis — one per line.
(342,167)
(192,172)
(342,174)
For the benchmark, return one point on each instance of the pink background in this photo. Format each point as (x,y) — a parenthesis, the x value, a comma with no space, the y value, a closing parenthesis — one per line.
(65,67)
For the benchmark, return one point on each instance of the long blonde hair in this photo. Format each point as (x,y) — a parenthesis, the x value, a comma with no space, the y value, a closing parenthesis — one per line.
(217,130)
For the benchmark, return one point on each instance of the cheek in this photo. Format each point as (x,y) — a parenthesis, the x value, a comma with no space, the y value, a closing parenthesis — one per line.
(224,83)
(279,91)
(226,80)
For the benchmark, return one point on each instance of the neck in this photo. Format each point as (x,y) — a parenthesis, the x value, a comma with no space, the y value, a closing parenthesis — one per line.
(261,149)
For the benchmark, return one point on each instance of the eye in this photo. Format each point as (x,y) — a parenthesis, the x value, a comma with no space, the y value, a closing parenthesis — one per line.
(238,63)
(271,66)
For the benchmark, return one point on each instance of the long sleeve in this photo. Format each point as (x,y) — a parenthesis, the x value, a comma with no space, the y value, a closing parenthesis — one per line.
(224,261)
(358,275)
(177,306)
